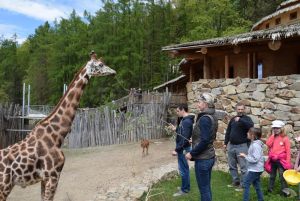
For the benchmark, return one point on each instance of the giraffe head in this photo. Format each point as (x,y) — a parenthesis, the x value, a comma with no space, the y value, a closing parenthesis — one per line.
(96,67)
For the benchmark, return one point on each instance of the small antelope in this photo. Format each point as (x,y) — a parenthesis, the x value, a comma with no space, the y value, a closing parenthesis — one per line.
(145,145)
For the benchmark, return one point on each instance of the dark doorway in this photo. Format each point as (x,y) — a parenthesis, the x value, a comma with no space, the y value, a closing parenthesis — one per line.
(231,72)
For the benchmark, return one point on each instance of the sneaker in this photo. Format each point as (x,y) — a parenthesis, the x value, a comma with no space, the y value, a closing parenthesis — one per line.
(179,193)
(234,184)
(239,189)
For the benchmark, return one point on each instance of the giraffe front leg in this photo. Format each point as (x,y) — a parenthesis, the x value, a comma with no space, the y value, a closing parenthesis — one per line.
(48,187)
(5,186)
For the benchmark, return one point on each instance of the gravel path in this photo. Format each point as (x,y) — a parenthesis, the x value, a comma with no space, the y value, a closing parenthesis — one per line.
(92,170)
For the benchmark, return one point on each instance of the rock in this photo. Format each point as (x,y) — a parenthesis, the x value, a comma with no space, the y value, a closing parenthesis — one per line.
(259,96)
(216,91)
(241,88)
(251,87)
(267,111)
(234,98)
(245,102)
(294,76)
(295,110)
(294,101)
(281,85)
(297,123)
(286,94)
(268,105)
(244,96)
(295,117)
(264,122)
(279,101)
(282,115)
(213,84)
(256,111)
(229,108)
(270,117)
(255,104)
(261,87)
(254,119)
(284,108)
(297,94)
(229,81)
(270,93)
(295,86)
(229,90)
(225,102)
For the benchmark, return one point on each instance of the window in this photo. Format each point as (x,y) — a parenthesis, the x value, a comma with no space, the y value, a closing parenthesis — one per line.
(277,21)
(259,70)
(293,16)
(267,25)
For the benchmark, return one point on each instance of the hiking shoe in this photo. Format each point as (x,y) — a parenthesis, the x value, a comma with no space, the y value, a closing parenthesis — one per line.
(235,184)
(179,193)
(239,189)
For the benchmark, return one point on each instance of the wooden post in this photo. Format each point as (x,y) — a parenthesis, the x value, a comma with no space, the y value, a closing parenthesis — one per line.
(249,67)
(191,73)
(205,67)
(226,66)
(254,65)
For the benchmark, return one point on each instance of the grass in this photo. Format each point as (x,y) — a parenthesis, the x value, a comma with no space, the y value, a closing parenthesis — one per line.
(164,190)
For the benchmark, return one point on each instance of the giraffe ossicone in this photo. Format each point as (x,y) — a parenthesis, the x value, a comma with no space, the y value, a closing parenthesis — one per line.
(39,158)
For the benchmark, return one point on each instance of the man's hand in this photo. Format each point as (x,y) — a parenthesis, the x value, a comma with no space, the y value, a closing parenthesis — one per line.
(225,147)
(188,156)
(174,153)
(242,155)
(172,127)
(236,118)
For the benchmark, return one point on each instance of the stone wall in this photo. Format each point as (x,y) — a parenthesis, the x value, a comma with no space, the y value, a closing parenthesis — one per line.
(267,99)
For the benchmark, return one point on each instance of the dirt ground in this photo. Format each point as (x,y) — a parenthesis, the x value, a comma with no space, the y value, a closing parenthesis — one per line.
(91,170)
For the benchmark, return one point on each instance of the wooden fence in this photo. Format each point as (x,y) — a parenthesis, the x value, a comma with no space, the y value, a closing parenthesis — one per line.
(142,118)
(8,112)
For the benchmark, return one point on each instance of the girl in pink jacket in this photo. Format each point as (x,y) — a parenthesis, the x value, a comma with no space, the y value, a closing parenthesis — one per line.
(279,154)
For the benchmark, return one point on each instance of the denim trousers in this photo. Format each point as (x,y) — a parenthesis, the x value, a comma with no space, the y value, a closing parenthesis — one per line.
(184,170)
(252,178)
(203,168)
(234,159)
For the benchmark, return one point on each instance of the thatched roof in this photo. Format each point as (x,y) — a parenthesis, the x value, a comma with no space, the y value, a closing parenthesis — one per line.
(276,33)
(287,3)
(169,82)
(278,12)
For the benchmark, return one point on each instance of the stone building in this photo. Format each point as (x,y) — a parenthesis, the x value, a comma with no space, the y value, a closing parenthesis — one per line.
(260,68)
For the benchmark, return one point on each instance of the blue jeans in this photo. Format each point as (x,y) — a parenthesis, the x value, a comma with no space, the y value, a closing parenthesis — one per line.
(252,178)
(184,170)
(203,168)
(234,159)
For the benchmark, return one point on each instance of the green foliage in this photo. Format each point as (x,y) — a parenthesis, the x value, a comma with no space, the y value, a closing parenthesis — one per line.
(220,191)
(129,34)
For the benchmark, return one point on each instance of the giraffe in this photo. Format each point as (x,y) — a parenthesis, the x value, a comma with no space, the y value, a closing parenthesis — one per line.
(39,158)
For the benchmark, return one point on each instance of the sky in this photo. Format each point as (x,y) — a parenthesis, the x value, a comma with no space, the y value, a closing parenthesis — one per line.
(22,17)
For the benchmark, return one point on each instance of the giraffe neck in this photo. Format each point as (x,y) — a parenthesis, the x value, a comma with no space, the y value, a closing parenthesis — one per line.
(59,122)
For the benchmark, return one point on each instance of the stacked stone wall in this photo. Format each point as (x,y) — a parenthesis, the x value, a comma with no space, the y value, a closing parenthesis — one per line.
(267,99)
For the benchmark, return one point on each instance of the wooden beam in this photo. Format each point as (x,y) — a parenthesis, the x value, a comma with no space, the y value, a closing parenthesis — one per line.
(191,73)
(226,66)
(254,67)
(206,71)
(249,66)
